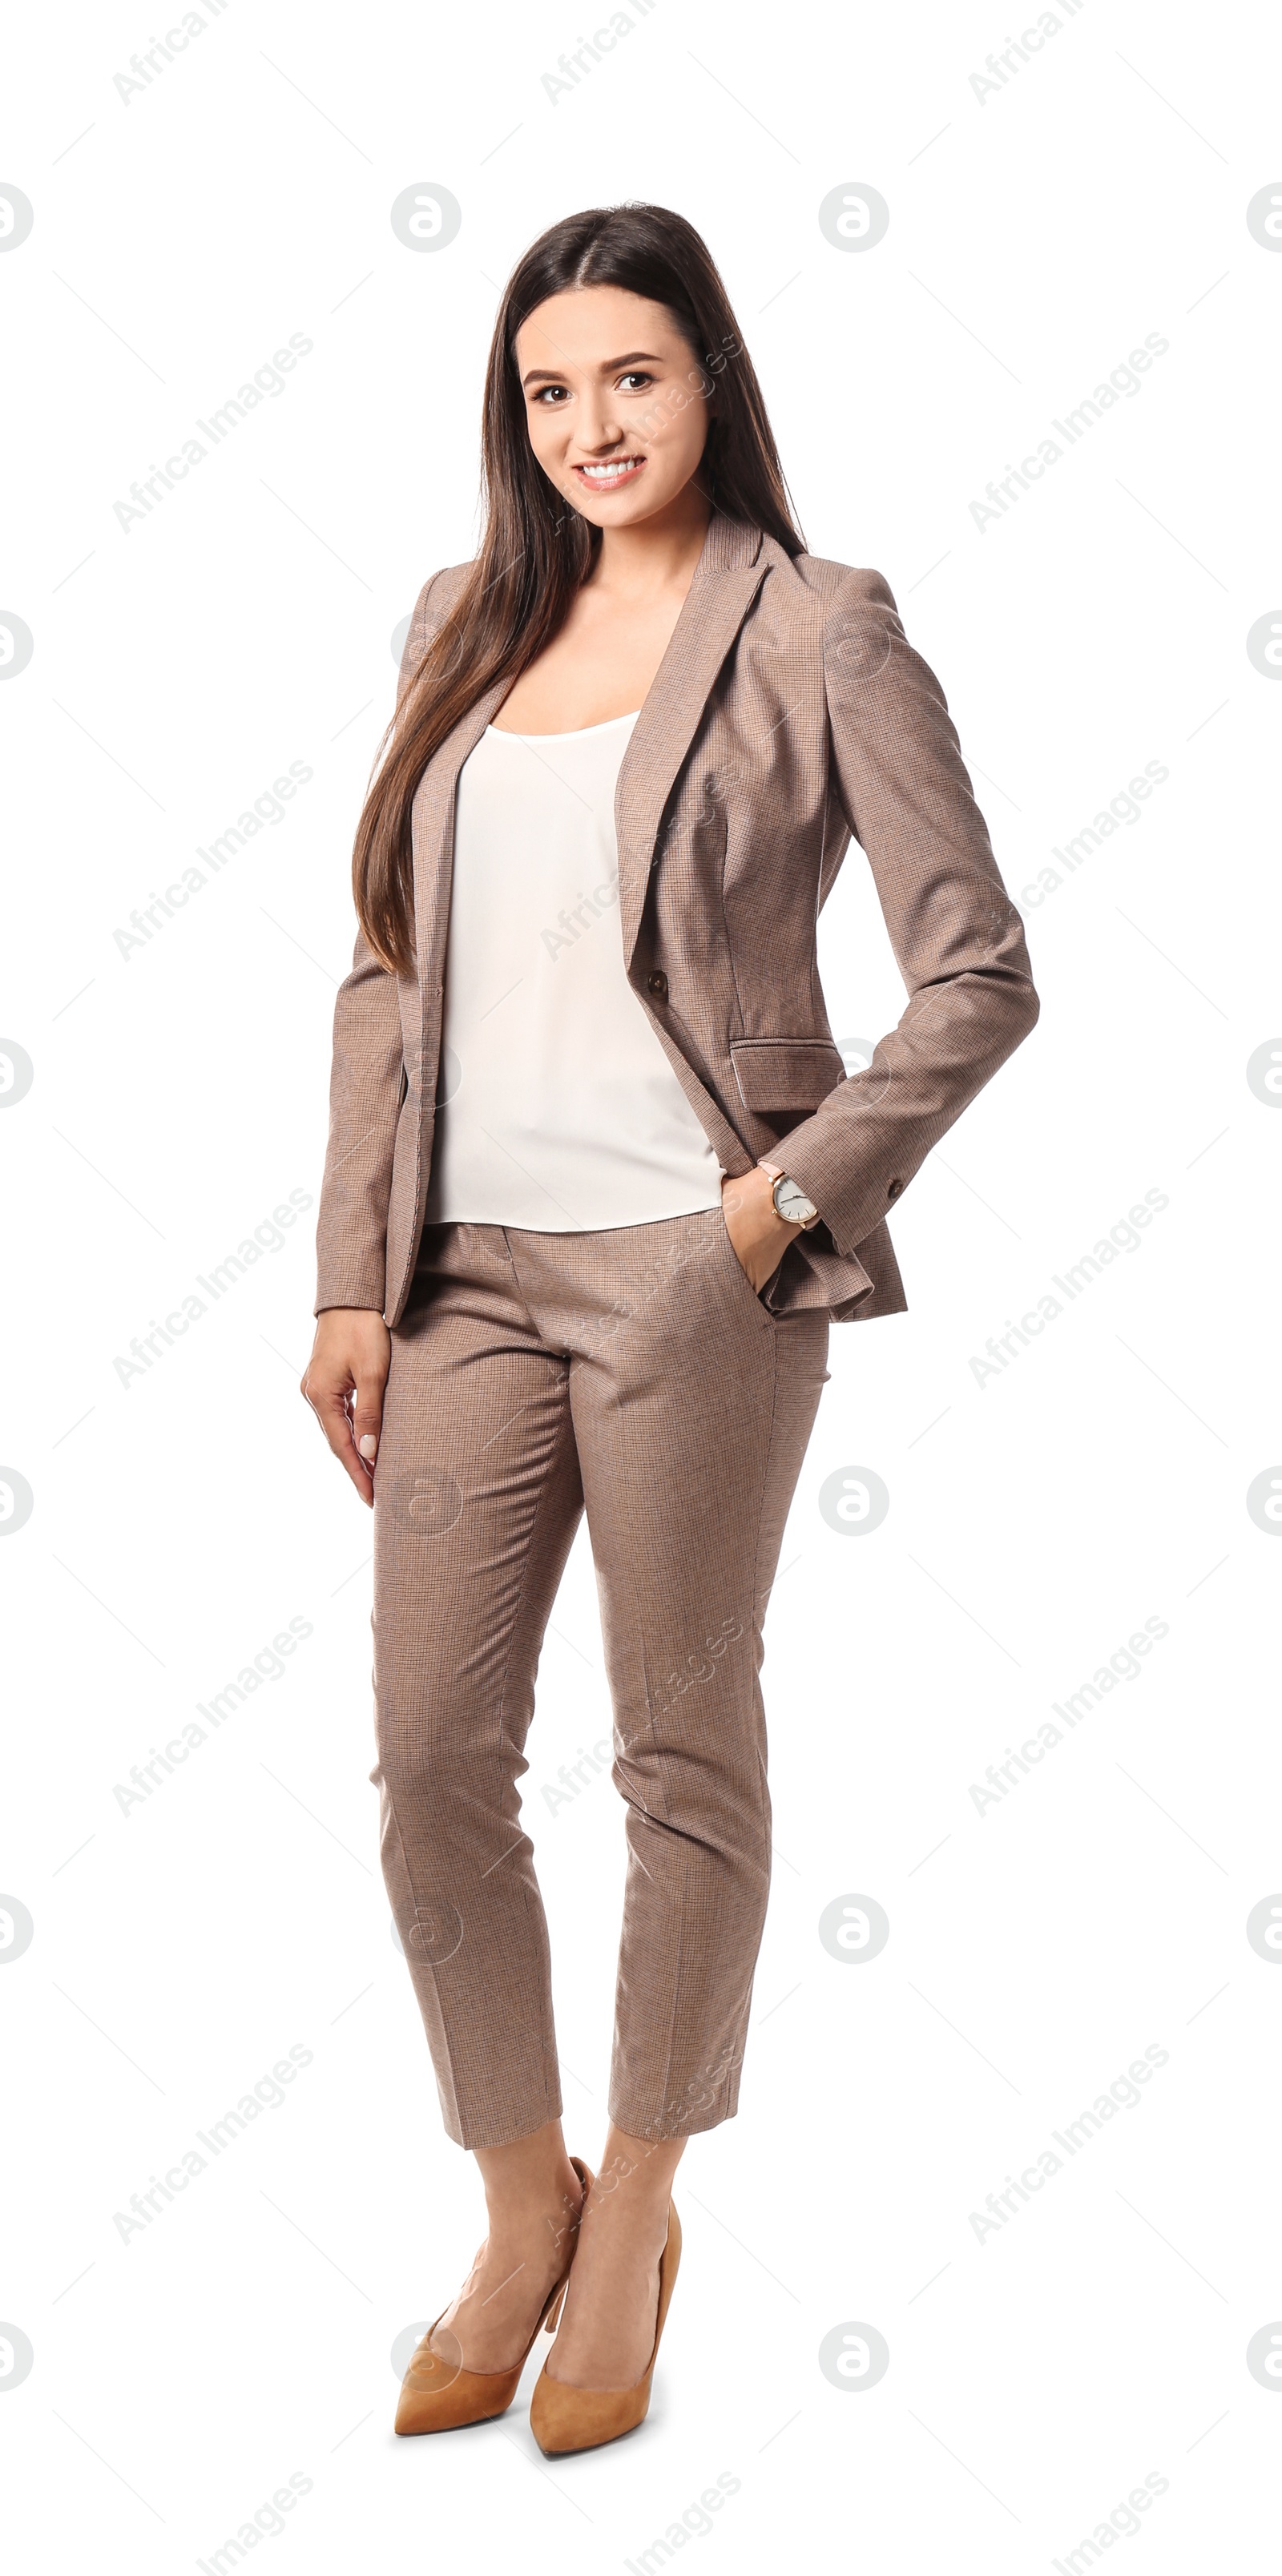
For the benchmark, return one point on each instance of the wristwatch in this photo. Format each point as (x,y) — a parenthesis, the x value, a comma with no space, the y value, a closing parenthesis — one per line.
(791,1202)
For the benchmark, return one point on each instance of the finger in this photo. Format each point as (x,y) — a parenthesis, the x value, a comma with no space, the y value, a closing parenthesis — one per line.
(330,1400)
(367,1414)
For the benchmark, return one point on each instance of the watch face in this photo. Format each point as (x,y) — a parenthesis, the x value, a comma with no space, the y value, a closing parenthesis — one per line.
(791,1202)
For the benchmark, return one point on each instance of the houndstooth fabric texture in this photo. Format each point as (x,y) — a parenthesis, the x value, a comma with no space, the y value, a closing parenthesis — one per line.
(789,715)
(636,1374)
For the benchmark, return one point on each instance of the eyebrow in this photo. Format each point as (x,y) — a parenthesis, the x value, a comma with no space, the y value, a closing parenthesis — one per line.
(609,366)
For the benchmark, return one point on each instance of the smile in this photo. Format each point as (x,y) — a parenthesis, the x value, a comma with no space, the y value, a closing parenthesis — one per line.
(605,477)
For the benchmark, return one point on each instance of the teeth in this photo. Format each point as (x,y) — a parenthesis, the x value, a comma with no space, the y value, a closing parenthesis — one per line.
(610,473)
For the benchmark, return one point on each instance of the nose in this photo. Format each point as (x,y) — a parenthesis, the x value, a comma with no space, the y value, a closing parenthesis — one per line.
(598,431)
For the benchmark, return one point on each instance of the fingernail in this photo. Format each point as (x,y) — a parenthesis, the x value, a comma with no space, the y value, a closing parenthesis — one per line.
(368,1446)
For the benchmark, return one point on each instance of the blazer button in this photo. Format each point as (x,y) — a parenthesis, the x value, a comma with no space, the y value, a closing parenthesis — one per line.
(658,984)
(894,1189)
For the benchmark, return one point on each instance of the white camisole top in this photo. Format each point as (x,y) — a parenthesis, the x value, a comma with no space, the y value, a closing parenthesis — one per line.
(558,1109)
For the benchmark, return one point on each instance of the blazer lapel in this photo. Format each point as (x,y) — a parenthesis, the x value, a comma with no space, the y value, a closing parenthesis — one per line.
(727,578)
(432,841)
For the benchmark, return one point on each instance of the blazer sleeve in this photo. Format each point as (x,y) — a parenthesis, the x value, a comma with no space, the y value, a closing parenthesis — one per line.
(897,770)
(364,1097)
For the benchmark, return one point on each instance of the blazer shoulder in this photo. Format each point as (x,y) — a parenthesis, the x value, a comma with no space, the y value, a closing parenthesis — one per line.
(839,586)
(438,594)
(434,602)
(827,601)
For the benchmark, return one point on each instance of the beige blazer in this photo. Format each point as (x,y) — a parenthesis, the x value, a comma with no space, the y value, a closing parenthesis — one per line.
(788,714)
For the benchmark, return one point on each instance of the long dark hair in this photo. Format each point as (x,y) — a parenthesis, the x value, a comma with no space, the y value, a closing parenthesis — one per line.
(536,550)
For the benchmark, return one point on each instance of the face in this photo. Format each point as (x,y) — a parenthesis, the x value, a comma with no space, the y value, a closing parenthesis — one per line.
(616,401)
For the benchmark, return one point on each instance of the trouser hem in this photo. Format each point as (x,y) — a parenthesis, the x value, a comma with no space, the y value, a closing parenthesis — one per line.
(483,2133)
(636,2122)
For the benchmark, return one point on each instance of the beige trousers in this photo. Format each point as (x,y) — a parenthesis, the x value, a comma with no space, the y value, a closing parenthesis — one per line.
(635,1373)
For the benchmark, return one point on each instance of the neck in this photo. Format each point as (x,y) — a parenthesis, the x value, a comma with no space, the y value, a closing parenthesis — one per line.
(657,554)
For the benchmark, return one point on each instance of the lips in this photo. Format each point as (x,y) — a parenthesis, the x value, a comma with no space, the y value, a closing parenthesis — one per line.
(611,476)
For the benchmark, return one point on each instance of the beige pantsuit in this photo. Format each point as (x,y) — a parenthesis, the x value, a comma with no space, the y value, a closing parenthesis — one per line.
(634,1373)
(635,1370)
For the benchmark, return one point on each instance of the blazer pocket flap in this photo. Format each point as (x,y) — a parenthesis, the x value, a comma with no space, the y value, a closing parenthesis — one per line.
(785,1073)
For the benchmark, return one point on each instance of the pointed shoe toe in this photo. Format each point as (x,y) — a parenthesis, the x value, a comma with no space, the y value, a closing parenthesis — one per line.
(565,2418)
(439,2396)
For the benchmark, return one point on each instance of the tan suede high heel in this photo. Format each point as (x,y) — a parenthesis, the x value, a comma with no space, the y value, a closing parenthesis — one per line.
(437,2395)
(563,2418)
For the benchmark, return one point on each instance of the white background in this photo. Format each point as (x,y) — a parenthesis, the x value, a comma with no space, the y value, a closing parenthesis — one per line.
(1036,1520)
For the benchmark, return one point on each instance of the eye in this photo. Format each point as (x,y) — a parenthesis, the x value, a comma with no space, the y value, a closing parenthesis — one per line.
(636,378)
(546,391)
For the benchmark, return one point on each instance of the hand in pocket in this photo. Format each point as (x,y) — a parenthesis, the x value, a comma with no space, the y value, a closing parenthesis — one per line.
(759,1236)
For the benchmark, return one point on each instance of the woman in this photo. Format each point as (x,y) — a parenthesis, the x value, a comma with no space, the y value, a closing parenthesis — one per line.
(596,1183)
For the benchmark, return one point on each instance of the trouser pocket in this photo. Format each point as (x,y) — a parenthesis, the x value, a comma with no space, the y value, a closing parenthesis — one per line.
(730,1255)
